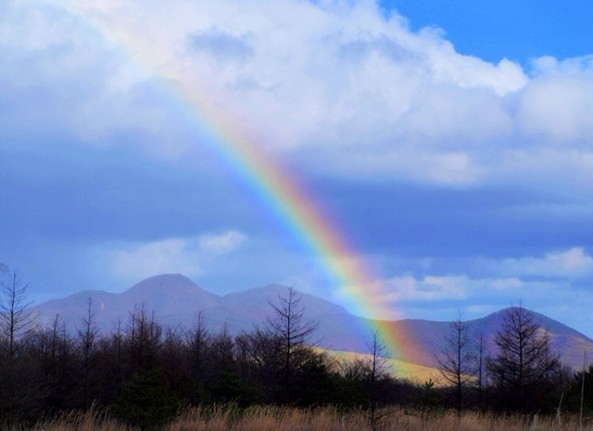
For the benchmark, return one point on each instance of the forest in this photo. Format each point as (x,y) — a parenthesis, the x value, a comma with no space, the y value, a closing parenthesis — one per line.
(146,375)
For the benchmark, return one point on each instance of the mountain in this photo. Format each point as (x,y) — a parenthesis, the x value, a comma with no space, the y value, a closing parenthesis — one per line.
(170,297)
(423,340)
(176,300)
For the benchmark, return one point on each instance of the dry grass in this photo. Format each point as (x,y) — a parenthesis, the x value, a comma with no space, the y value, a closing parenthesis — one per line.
(270,419)
(76,421)
(326,419)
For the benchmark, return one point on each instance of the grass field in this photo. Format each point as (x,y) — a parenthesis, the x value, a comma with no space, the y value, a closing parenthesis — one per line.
(326,419)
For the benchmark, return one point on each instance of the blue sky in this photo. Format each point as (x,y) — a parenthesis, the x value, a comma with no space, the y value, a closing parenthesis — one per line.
(493,30)
(452,142)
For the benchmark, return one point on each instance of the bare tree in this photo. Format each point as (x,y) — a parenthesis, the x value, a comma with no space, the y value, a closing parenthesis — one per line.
(288,324)
(456,361)
(376,372)
(480,365)
(87,337)
(523,364)
(143,339)
(263,349)
(197,341)
(87,334)
(223,347)
(16,322)
(15,318)
(172,357)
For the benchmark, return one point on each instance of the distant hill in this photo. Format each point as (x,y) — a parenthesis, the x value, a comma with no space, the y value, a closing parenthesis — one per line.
(176,300)
(424,339)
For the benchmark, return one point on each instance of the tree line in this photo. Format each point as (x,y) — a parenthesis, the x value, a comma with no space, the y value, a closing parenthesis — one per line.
(522,374)
(145,373)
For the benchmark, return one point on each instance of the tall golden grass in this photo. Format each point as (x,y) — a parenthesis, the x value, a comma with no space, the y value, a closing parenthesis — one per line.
(323,419)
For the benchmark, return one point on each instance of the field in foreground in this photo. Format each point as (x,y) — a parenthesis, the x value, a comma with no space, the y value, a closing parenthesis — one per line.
(325,419)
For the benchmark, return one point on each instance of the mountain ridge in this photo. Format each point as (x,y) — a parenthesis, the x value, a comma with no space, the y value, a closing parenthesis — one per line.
(177,300)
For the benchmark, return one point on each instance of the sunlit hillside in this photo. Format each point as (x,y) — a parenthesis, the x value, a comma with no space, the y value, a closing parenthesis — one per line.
(400,369)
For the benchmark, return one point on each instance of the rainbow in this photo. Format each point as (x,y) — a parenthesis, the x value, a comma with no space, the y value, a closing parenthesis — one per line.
(276,189)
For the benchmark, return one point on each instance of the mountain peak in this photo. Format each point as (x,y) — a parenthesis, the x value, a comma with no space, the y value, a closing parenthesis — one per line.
(541,319)
(163,280)
(170,293)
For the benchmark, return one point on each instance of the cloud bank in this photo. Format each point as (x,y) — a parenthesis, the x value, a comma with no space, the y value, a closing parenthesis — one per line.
(351,85)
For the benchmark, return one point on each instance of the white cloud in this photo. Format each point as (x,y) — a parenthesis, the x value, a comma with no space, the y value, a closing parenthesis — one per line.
(400,295)
(352,86)
(479,286)
(428,288)
(188,256)
(167,256)
(507,277)
(570,264)
(555,106)
(222,243)
(385,297)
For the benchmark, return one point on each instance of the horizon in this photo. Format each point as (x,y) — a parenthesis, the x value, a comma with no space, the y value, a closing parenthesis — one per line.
(336,329)
(446,148)
(277,285)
